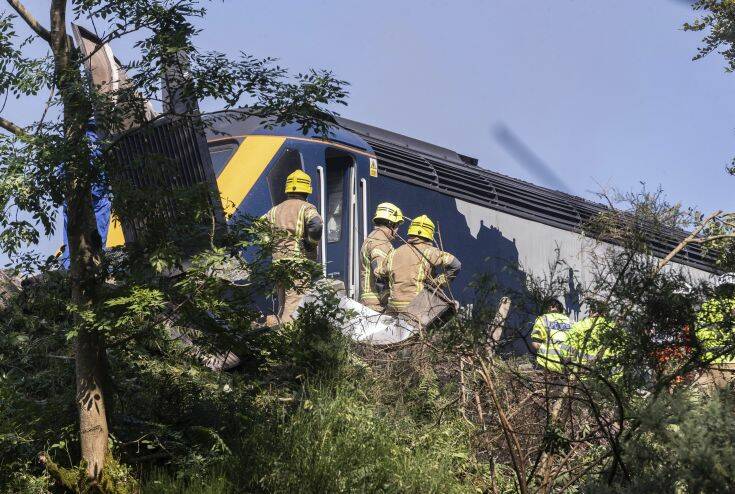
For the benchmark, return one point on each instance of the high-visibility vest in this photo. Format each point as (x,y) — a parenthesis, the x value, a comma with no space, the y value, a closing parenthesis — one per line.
(551,332)
(712,332)
(586,339)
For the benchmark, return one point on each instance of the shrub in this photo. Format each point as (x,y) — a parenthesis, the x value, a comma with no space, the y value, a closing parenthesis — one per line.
(340,441)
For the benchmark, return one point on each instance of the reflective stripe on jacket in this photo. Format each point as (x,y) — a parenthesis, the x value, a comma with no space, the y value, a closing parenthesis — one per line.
(374,251)
(303,224)
(551,332)
(409,267)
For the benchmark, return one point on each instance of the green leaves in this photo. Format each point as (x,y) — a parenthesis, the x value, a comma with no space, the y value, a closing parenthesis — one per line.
(718,19)
(55,158)
(20,75)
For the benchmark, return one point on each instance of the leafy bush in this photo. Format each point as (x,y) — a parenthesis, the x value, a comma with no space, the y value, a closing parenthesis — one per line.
(682,443)
(339,440)
(161,481)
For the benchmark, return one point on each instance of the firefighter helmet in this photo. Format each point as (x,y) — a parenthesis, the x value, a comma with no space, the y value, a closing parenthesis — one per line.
(389,212)
(422,227)
(298,182)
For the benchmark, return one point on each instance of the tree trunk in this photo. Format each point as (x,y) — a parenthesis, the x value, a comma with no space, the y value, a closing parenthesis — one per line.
(85,247)
(91,368)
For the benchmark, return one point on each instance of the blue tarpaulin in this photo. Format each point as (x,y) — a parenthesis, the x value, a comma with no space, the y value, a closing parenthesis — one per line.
(100,201)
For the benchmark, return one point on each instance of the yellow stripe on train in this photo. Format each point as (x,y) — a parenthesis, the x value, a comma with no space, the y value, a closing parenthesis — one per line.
(115,235)
(245,168)
(234,182)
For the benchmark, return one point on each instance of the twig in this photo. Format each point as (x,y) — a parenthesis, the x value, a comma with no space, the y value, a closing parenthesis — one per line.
(441,246)
(45,110)
(463,388)
(584,471)
(510,436)
(444,408)
(480,411)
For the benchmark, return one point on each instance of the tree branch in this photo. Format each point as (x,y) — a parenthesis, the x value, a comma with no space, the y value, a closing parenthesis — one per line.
(30,20)
(11,127)
(713,238)
(692,238)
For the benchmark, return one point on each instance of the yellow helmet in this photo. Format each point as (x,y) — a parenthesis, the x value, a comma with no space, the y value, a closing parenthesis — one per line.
(389,212)
(298,182)
(422,227)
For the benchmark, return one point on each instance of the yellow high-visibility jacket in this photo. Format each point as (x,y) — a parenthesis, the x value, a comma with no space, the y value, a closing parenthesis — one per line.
(551,331)
(586,339)
(713,330)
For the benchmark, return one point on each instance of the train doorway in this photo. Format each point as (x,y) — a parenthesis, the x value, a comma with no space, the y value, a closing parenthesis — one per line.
(338,207)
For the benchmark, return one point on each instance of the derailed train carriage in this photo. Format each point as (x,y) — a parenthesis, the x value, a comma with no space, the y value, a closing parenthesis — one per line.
(493,223)
(489,220)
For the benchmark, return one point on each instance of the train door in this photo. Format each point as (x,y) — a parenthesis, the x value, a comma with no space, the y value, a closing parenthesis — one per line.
(338,205)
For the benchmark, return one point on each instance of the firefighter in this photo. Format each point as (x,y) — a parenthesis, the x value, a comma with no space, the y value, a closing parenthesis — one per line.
(549,337)
(376,248)
(414,264)
(303,226)
(715,324)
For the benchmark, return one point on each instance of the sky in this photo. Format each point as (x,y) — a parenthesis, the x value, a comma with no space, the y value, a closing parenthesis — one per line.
(604,94)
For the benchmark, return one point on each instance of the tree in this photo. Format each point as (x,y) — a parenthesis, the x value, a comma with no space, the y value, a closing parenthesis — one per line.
(54,161)
(717,21)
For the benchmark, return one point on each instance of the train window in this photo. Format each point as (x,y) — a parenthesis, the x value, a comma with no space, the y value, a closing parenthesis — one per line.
(289,161)
(335,194)
(221,154)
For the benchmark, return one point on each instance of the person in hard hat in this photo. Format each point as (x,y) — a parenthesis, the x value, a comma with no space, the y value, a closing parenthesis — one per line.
(414,264)
(303,226)
(376,248)
(714,333)
(549,337)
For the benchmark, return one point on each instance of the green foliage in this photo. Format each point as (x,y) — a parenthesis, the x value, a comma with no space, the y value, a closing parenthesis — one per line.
(313,345)
(718,19)
(47,154)
(304,414)
(683,443)
(36,377)
(162,482)
(340,441)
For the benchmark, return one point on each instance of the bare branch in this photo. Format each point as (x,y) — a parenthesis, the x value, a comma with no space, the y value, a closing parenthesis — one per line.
(30,20)
(713,238)
(692,238)
(11,127)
